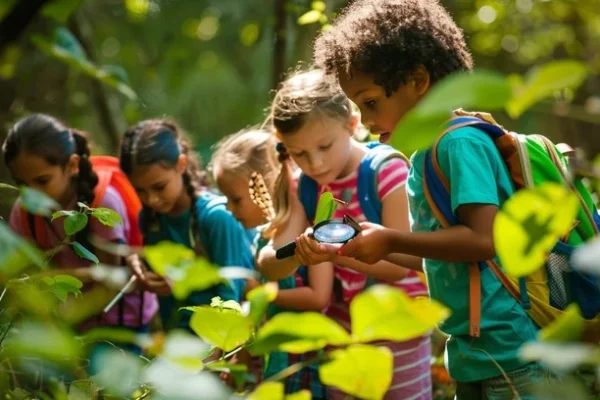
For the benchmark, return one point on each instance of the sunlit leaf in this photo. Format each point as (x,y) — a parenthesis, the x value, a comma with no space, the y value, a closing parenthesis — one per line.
(529,225)
(75,223)
(185,350)
(544,81)
(119,372)
(566,328)
(259,299)
(360,370)
(16,254)
(81,65)
(560,356)
(84,253)
(318,5)
(386,313)
(222,329)
(174,382)
(45,340)
(137,9)
(37,202)
(298,333)
(310,17)
(70,280)
(325,207)
(301,395)
(268,391)
(420,126)
(227,305)
(249,34)
(63,213)
(107,217)
(61,10)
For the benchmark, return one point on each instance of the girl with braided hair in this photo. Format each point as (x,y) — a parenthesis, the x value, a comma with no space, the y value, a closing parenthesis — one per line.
(178,207)
(43,153)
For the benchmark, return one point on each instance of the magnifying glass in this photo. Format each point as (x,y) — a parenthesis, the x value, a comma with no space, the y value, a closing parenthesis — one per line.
(335,231)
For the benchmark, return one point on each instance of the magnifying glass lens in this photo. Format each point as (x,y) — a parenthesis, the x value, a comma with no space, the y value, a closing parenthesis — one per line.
(334,233)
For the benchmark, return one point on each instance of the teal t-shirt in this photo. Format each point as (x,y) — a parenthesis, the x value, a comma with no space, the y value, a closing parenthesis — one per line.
(224,240)
(477,174)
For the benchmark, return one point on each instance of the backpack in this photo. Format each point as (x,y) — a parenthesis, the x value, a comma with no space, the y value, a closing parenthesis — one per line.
(368,197)
(530,160)
(109,174)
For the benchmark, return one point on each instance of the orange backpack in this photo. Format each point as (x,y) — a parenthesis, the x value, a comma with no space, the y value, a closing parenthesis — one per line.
(109,174)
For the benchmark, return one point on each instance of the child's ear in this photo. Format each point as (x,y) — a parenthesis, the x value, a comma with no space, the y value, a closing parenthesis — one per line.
(182,163)
(353,122)
(73,165)
(421,80)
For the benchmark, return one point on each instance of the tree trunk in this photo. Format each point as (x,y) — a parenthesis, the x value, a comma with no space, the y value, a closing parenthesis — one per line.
(17,20)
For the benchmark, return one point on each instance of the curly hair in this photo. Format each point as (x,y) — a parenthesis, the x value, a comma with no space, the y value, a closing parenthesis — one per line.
(159,141)
(389,39)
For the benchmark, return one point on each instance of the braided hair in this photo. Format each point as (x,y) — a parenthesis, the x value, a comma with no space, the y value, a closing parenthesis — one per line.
(159,141)
(50,139)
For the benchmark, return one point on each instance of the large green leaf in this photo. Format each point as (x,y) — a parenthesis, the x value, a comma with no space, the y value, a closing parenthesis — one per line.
(37,202)
(73,59)
(16,254)
(225,330)
(61,10)
(325,207)
(479,90)
(360,370)
(179,264)
(107,217)
(84,253)
(545,81)
(62,285)
(119,372)
(259,299)
(298,333)
(268,391)
(386,313)
(75,223)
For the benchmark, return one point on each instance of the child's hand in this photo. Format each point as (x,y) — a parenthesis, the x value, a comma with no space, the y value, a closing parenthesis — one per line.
(370,246)
(137,266)
(311,252)
(157,284)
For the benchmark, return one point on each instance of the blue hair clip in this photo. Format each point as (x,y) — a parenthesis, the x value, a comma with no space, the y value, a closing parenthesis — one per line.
(167,145)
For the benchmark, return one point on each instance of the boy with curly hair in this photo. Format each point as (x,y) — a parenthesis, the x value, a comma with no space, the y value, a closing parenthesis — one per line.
(386,55)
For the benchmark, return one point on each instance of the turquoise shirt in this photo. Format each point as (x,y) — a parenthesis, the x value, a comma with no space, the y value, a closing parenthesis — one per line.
(477,174)
(222,237)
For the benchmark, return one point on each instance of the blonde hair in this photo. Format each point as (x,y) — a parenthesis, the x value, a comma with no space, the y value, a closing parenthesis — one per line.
(253,150)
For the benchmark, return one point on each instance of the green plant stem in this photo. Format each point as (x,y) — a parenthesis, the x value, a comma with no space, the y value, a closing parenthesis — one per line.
(292,369)
(226,356)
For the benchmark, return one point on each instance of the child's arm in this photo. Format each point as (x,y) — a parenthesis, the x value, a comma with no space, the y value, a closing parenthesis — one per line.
(313,297)
(272,268)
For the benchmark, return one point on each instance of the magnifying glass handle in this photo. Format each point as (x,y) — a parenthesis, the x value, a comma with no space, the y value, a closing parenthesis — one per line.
(286,251)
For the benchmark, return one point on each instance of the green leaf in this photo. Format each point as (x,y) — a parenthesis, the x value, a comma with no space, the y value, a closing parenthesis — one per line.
(310,17)
(185,350)
(259,299)
(48,280)
(186,273)
(545,81)
(8,187)
(221,329)
(230,305)
(63,213)
(69,280)
(360,370)
(84,253)
(298,333)
(318,5)
(107,217)
(387,313)
(325,207)
(480,89)
(119,372)
(61,10)
(16,254)
(83,206)
(82,65)
(60,293)
(75,223)
(268,391)
(42,340)
(301,395)
(37,202)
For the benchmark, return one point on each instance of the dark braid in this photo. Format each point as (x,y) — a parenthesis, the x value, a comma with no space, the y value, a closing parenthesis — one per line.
(159,141)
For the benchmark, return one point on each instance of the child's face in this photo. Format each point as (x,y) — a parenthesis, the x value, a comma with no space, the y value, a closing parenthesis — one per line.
(322,147)
(239,203)
(54,180)
(378,111)
(161,188)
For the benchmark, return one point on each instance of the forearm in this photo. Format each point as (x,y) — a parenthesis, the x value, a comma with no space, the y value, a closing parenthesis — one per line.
(272,268)
(455,244)
(383,270)
(411,262)
(301,299)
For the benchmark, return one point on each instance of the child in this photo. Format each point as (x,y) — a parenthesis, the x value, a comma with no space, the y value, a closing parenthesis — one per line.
(234,162)
(178,208)
(405,47)
(43,153)
(315,124)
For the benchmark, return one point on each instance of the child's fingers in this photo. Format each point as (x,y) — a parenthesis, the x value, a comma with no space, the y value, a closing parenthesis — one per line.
(349,249)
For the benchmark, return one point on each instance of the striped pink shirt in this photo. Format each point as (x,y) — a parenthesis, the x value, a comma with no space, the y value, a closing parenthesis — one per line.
(412,372)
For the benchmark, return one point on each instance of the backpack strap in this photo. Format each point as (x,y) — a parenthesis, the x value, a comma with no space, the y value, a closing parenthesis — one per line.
(370,165)
(308,193)
(437,193)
